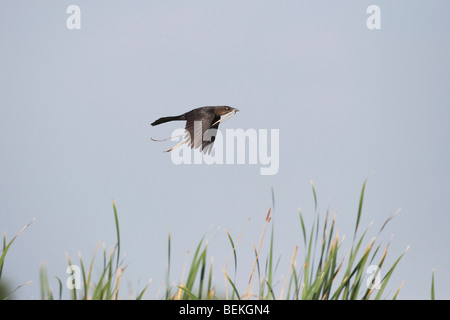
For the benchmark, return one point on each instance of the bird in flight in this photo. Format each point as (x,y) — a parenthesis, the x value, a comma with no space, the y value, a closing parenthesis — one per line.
(201,126)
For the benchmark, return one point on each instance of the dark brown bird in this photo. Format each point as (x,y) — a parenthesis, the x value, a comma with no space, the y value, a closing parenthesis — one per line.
(198,123)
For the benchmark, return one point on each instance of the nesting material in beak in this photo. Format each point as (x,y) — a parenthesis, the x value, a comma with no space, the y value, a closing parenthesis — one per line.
(225,117)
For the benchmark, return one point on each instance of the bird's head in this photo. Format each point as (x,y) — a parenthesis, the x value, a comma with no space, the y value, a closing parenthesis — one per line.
(220,111)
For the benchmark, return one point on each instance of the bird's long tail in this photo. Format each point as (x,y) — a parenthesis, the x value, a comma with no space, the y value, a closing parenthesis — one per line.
(167,119)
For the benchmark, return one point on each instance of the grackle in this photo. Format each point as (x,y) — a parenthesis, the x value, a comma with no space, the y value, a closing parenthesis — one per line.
(199,121)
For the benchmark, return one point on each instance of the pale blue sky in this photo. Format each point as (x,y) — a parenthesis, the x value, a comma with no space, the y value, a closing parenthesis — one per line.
(76,108)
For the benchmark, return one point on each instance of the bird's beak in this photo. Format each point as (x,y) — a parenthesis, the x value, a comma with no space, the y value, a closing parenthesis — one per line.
(235,110)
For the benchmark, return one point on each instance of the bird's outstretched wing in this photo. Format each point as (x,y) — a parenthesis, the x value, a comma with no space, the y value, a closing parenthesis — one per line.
(199,133)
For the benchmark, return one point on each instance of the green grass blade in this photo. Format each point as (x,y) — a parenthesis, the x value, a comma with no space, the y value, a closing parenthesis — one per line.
(235,291)
(188,293)
(103,285)
(388,275)
(269,287)
(197,261)
(209,287)
(168,268)
(361,200)
(46,293)
(60,287)
(12,292)
(85,284)
(315,196)
(234,252)
(270,262)
(432,287)
(359,271)
(302,223)
(141,294)
(116,219)
(202,274)
(7,246)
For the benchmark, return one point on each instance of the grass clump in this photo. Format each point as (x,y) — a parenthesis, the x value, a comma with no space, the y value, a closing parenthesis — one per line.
(80,282)
(327,271)
(319,268)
